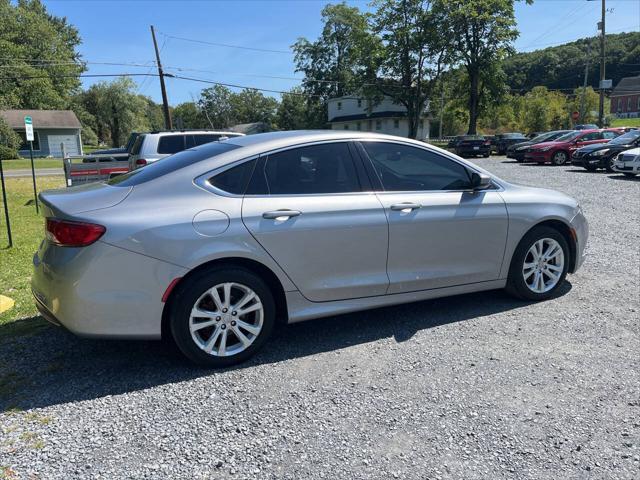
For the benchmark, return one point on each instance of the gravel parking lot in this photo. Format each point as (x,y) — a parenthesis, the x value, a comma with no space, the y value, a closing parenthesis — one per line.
(475,386)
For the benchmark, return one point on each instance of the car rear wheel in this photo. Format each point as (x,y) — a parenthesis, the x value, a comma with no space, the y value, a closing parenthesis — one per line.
(222,317)
(559,158)
(539,264)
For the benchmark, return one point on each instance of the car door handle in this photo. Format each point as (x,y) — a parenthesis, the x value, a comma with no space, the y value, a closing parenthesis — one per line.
(285,213)
(408,206)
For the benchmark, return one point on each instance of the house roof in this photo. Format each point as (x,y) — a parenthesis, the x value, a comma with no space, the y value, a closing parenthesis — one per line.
(41,118)
(627,86)
(365,116)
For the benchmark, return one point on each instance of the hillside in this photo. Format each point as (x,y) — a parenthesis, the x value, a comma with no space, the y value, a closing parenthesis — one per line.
(562,66)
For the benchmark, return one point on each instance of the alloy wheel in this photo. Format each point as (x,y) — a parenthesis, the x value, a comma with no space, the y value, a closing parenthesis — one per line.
(560,158)
(543,265)
(226,319)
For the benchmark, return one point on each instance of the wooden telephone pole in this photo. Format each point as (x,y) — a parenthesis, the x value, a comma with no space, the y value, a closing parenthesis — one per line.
(165,103)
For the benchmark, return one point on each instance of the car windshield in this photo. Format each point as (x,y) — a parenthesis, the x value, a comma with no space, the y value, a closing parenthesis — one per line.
(568,136)
(472,137)
(514,135)
(171,164)
(542,137)
(628,137)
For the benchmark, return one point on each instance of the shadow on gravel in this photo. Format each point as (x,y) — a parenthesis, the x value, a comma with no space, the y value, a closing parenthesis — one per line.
(624,178)
(48,366)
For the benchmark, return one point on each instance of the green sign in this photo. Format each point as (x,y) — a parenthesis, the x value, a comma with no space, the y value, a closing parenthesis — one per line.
(28,121)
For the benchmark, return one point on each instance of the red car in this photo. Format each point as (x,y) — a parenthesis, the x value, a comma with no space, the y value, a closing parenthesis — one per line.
(560,150)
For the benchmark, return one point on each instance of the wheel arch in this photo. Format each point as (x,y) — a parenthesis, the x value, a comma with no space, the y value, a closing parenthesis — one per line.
(264,272)
(566,231)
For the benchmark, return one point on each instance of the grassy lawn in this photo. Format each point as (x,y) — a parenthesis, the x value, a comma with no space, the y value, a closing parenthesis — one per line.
(28,231)
(625,122)
(19,163)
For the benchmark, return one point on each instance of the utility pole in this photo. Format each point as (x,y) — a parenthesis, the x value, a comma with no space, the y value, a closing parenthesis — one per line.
(602,68)
(584,85)
(165,103)
(441,112)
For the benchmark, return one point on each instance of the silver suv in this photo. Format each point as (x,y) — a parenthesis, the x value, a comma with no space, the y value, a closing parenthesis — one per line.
(153,146)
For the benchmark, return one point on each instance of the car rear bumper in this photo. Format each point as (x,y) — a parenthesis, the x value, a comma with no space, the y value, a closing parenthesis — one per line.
(581,228)
(472,151)
(101,290)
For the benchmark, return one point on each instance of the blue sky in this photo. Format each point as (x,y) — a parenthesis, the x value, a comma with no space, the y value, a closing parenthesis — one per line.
(117,31)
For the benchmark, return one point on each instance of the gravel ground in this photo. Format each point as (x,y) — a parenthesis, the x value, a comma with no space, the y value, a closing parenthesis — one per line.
(475,386)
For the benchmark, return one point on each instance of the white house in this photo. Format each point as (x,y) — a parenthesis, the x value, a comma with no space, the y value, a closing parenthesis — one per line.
(352,113)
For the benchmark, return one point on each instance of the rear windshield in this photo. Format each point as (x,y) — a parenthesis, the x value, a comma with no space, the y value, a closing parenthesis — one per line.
(472,137)
(171,164)
(628,137)
(135,150)
(171,144)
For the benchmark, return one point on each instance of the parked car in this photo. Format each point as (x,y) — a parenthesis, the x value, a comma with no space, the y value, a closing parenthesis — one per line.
(115,151)
(517,151)
(213,245)
(586,126)
(150,147)
(560,150)
(471,146)
(502,141)
(602,155)
(628,163)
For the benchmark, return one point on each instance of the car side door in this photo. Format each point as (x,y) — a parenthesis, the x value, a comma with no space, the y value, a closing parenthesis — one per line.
(441,233)
(312,210)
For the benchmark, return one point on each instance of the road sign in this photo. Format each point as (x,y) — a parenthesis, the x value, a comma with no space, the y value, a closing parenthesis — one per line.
(606,84)
(28,126)
(575,115)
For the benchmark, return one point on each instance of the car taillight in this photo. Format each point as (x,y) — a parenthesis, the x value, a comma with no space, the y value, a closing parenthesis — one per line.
(72,234)
(488,142)
(141,162)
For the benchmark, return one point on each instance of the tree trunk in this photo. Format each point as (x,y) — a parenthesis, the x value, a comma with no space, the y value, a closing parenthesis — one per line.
(115,128)
(413,115)
(474,99)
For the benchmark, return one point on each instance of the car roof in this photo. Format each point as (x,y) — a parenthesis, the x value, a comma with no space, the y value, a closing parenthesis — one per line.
(197,132)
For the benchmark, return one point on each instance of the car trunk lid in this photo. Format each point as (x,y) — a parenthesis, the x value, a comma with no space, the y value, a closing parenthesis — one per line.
(65,203)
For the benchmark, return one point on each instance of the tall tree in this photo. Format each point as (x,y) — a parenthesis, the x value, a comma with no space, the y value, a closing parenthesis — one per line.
(412,55)
(292,111)
(481,33)
(40,51)
(215,104)
(188,115)
(250,105)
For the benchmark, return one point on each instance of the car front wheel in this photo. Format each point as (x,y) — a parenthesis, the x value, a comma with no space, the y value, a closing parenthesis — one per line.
(539,264)
(559,158)
(222,317)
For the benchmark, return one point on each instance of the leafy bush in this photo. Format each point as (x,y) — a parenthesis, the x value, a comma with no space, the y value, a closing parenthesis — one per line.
(8,137)
(8,153)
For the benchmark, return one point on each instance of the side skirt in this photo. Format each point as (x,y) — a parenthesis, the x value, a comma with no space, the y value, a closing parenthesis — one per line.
(301,309)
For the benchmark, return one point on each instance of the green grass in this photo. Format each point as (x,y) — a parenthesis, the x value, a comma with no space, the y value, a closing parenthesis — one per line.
(19,163)
(16,263)
(625,122)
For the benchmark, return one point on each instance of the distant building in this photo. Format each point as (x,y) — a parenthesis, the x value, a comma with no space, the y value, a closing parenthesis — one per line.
(625,98)
(352,113)
(51,128)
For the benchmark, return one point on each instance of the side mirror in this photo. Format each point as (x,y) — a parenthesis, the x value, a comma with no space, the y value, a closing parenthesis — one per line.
(480,181)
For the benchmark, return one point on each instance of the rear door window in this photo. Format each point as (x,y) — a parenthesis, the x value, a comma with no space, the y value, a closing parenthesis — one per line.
(135,150)
(170,144)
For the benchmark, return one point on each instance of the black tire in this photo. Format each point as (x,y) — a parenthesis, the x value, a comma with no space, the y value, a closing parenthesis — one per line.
(560,158)
(609,164)
(486,155)
(516,284)
(630,175)
(191,289)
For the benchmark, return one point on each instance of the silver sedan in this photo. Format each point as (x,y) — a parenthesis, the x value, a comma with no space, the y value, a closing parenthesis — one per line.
(213,245)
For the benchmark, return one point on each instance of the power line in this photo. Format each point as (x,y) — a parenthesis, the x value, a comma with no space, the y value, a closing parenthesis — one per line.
(227,45)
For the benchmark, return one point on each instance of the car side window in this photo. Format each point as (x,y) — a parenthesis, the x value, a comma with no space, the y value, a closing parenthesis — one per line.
(590,136)
(234,180)
(405,168)
(201,139)
(609,135)
(323,168)
(171,144)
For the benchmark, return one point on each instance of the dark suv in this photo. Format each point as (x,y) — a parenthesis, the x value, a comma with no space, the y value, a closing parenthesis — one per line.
(503,141)
(470,145)
(601,155)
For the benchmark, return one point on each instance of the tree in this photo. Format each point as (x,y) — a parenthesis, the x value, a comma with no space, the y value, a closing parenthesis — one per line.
(250,105)
(215,103)
(117,110)
(544,110)
(481,33)
(412,55)
(292,111)
(188,115)
(40,50)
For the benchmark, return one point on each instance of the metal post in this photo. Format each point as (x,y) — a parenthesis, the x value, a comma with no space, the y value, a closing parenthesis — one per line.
(584,85)
(441,112)
(6,206)
(165,102)
(602,67)
(33,176)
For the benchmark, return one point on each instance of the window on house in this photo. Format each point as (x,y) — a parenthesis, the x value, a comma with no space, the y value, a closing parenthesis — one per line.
(358,126)
(629,104)
(346,126)
(396,123)
(619,105)
(378,124)
(359,103)
(24,145)
(339,105)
